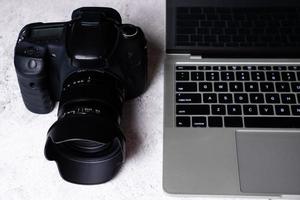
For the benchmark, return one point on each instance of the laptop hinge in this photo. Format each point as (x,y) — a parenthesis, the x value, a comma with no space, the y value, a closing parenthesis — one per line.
(191,56)
(196,57)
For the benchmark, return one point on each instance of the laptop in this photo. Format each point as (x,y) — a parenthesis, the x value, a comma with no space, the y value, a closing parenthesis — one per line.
(232,98)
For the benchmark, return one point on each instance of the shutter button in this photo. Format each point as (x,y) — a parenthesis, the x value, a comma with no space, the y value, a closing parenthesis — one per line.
(129,31)
(32,64)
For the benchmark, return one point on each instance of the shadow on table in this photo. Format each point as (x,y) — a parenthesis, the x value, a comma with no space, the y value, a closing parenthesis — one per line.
(129,118)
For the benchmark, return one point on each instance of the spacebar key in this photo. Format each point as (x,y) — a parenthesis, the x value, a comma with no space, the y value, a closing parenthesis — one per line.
(272,122)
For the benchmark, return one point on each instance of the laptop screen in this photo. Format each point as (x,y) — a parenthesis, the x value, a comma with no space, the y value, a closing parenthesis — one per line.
(234,28)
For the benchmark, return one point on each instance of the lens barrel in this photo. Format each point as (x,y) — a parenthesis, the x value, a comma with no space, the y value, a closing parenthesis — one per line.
(86,141)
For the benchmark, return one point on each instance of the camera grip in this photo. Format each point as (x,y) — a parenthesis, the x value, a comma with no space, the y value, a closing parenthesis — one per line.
(134,48)
(34,84)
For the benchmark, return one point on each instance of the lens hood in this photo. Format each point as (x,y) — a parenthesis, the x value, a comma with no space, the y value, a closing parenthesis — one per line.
(87,149)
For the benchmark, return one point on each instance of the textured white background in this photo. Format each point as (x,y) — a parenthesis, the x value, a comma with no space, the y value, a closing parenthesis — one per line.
(24,172)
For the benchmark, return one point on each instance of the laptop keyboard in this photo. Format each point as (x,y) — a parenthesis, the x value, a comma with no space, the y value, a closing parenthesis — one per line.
(238,27)
(238,96)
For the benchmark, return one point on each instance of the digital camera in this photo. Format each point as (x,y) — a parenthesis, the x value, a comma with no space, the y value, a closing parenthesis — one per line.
(91,65)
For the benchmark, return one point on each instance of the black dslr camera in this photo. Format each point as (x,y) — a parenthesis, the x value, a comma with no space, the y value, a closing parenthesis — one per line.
(91,64)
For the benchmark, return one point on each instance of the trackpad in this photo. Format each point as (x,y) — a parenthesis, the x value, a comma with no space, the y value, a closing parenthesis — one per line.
(269,162)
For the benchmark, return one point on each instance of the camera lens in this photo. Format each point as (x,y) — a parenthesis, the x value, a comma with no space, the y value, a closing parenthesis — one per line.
(86,140)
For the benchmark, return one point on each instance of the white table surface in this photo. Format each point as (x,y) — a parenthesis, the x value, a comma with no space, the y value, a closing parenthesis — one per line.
(24,172)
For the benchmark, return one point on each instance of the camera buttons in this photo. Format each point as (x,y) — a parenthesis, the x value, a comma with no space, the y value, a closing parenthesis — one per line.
(32,52)
(32,64)
(129,31)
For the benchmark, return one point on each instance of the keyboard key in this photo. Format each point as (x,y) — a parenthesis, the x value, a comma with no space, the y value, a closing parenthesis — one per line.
(218,110)
(233,121)
(215,122)
(272,98)
(205,87)
(241,98)
(251,87)
(288,98)
(242,76)
(182,10)
(188,30)
(209,38)
(264,68)
(273,76)
(280,68)
(196,10)
(197,76)
(221,24)
(182,38)
(295,109)
(256,98)
(187,23)
(222,68)
(219,68)
(207,24)
(196,38)
(234,110)
(227,76)
(296,87)
(183,122)
(266,110)
(192,109)
(236,87)
(249,67)
(185,67)
(282,87)
(225,98)
(203,31)
(186,87)
(221,86)
(178,43)
(258,76)
(282,110)
(182,76)
(199,122)
(272,122)
(212,17)
(228,31)
(298,76)
(266,87)
(204,68)
(293,68)
(212,76)
(250,109)
(209,98)
(188,98)
(288,76)
(234,67)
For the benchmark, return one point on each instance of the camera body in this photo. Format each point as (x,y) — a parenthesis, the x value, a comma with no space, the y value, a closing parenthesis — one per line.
(47,53)
(90,64)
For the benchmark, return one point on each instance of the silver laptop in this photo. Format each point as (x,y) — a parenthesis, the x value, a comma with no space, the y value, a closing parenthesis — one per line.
(232,98)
